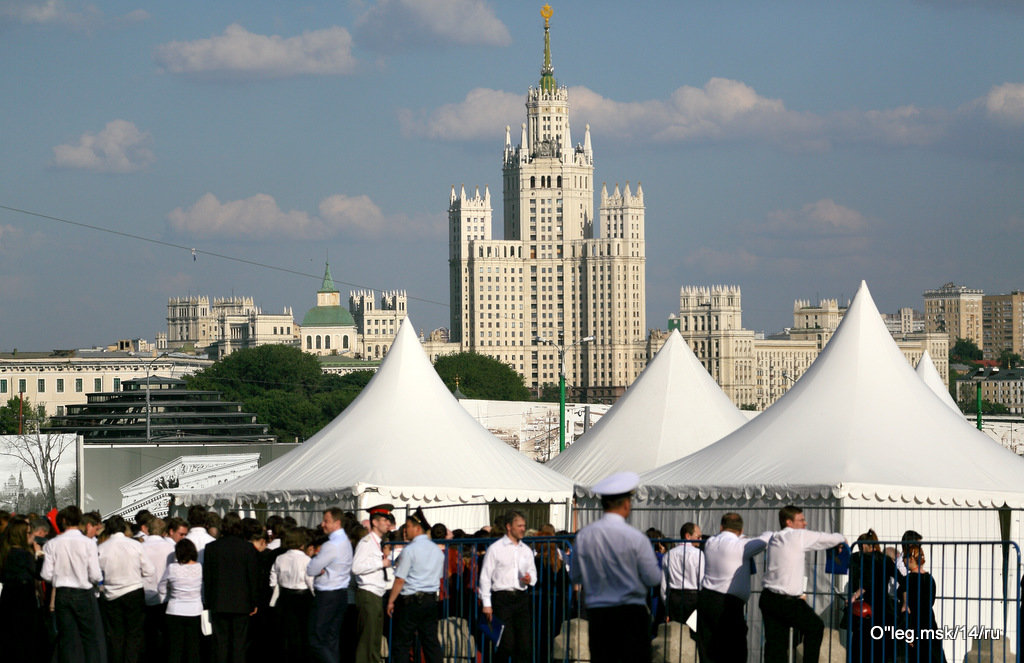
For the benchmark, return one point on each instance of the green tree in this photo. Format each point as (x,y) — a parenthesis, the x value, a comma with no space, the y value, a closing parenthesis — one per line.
(965,350)
(1009,359)
(481,377)
(284,387)
(14,409)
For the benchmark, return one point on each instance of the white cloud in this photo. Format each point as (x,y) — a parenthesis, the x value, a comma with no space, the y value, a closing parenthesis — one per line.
(482,115)
(395,25)
(1005,103)
(822,218)
(76,15)
(725,110)
(119,148)
(239,52)
(260,217)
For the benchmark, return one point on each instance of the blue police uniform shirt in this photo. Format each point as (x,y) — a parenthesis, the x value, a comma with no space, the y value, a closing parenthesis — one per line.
(614,562)
(421,565)
(332,567)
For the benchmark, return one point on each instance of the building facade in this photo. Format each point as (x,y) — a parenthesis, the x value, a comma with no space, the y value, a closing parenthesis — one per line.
(954,310)
(756,370)
(58,380)
(1005,387)
(559,281)
(229,324)
(1003,324)
(377,320)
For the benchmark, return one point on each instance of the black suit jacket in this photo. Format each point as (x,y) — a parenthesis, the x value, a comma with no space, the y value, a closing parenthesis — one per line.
(230,575)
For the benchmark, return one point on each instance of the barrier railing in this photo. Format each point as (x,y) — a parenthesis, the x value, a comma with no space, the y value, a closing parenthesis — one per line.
(971,588)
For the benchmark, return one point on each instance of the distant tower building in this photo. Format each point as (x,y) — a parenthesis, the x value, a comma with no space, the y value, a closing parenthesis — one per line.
(954,310)
(328,328)
(1003,316)
(231,323)
(377,321)
(13,491)
(552,281)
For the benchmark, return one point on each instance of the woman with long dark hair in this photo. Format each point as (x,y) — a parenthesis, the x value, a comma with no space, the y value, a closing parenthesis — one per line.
(19,603)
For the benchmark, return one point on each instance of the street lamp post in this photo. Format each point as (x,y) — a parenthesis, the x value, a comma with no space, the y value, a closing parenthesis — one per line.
(149,366)
(561,382)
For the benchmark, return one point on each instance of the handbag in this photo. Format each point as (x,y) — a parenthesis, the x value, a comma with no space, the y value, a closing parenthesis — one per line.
(205,625)
(860,608)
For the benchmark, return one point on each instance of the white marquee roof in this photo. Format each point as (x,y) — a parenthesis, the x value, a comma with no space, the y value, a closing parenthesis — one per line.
(926,371)
(858,423)
(673,409)
(405,437)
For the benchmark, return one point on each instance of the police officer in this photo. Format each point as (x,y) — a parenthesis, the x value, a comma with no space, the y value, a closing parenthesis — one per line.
(616,565)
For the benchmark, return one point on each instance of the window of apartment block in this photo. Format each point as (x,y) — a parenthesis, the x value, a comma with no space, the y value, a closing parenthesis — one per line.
(60,385)
(117,384)
(40,385)
(22,386)
(97,384)
(78,385)
(3,386)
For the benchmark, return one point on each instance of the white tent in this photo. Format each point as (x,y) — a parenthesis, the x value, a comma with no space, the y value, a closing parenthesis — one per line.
(926,371)
(859,442)
(404,440)
(673,409)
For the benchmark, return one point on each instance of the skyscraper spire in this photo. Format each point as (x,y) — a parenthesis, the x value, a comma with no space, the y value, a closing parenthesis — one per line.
(547,72)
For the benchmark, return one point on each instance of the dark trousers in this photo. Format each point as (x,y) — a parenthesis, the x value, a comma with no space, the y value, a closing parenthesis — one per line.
(79,627)
(619,634)
(155,633)
(416,615)
(780,613)
(370,609)
(513,609)
(722,636)
(325,620)
(123,622)
(293,608)
(229,634)
(681,603)
(183,639)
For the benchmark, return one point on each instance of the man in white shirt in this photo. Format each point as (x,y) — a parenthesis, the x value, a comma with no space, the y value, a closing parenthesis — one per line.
(782,602)
(683,571)
(159,550)
(370,563)
(72,566)
(197,534)
(724,592)
(123,599)
(508,572)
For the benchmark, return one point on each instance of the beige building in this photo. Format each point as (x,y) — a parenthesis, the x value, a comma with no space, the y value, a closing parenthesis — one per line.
(954,310)
(753,370)
(553,281)
(1003,323)
(1005,387)
(58,379)
(377,320)
(229,324)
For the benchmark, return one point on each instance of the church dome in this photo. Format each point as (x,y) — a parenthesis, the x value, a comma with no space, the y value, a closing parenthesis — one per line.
(328,316)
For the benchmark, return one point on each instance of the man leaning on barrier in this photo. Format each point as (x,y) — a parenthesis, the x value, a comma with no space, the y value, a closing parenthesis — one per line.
(782,597)
(616,565)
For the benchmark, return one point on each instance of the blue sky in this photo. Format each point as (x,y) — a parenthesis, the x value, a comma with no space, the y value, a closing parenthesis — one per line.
(792,148)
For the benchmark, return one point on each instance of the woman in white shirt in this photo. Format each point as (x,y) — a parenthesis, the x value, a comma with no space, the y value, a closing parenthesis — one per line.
(295,592)
(182,588)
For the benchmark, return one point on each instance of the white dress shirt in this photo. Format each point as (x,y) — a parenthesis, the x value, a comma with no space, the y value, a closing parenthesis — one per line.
(289,571)
(505,564)
(727,563)
(200,537)
(160,552)
(70,560)
(683,569)
(124,565)
(786,559)
(182,587)
(368,565)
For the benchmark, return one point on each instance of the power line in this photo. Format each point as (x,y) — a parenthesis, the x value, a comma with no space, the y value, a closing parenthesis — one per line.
(195,251)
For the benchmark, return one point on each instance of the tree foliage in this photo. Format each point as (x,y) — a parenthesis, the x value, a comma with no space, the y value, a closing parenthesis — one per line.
(481,377)
(1009,359)
(965,350)
(284,387)
(33,416)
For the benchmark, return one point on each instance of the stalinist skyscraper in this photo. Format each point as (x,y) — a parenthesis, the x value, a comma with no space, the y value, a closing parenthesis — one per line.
(559,276)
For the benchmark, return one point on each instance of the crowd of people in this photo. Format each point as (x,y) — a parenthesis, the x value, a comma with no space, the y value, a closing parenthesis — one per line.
(232,589)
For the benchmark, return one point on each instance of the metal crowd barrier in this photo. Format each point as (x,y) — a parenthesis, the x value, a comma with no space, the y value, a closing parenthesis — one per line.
(976,607)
